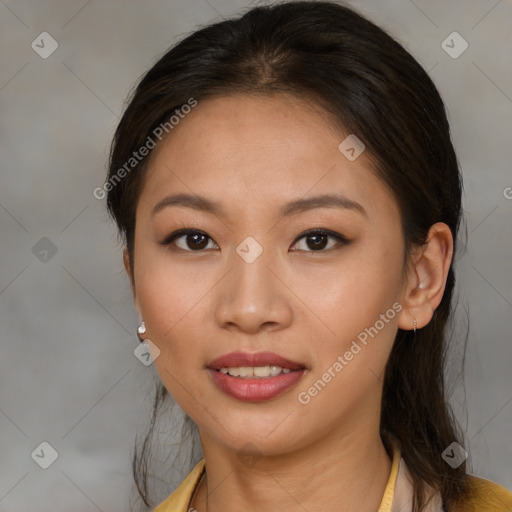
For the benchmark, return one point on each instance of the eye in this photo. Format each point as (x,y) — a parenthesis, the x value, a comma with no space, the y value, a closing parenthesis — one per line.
(319,238)
(195,240)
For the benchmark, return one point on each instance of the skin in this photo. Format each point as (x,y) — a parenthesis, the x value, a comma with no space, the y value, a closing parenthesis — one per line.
(252,154)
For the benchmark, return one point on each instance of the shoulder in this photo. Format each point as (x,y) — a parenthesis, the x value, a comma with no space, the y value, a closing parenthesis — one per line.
(485,496)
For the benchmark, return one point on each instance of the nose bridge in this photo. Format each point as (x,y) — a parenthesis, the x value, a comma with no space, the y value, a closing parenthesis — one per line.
(251,276)
(250,296)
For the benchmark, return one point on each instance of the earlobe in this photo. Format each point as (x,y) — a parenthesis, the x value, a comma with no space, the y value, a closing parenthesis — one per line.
(427,276)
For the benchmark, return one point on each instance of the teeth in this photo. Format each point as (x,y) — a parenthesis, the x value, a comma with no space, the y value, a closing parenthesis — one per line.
(275,370)
(247,372)
(261,371)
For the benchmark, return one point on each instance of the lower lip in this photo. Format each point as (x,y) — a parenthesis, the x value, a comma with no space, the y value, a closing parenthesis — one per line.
(255,390)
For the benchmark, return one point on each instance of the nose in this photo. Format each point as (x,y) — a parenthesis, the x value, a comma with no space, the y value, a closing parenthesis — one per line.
(253,297)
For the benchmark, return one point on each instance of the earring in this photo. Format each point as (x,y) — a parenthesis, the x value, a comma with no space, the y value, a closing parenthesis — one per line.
(141,330)
(415,324)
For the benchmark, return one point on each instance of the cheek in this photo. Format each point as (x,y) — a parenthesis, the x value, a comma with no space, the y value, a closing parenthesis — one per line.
(361,310)
(169,297)
(350,295)
(167,304)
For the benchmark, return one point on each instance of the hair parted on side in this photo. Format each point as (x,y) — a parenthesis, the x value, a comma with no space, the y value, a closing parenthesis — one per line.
(331,56)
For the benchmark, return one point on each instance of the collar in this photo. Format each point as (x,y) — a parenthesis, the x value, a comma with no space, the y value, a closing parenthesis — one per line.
(397,495)
(401,492)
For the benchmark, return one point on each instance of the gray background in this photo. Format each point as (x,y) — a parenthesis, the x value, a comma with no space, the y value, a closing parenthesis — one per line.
(68,372)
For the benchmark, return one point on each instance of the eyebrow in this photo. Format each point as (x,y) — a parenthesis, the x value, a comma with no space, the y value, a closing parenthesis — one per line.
(205,204)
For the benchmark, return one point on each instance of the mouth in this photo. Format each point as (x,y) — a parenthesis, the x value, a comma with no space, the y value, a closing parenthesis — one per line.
(255,377)
(255,372)
(251,361)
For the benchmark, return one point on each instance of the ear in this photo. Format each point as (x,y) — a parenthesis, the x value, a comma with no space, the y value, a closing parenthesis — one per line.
(126,262)
(426,279)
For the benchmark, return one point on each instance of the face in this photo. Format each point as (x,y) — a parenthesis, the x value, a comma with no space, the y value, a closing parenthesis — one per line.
(269,270)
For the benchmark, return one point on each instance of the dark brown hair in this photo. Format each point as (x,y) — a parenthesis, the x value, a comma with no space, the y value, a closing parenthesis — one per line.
(333,57)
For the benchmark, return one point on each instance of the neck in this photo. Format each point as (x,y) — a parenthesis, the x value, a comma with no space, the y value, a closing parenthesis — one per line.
(344,472)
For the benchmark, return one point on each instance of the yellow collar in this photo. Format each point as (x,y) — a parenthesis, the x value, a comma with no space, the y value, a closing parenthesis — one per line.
(487,496)
(179,500)
(389,492)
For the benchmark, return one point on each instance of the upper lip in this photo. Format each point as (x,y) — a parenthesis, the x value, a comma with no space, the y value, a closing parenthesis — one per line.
(236,359)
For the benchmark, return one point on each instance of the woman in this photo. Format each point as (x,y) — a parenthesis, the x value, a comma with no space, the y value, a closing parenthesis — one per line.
(290,199)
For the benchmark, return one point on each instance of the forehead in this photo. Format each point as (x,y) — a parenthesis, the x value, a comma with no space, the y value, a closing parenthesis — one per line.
(258,151)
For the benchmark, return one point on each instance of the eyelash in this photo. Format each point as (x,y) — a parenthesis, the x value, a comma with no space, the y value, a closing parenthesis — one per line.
(180,232)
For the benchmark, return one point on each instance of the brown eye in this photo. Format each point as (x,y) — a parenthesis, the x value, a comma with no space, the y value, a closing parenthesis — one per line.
(317,240)
(194,240)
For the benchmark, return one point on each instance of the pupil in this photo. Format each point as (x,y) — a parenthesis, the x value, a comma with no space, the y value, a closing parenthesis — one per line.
(200,245)
(317,245)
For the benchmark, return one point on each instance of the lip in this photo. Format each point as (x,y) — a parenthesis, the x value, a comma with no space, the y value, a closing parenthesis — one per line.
(234,359)
(257,389)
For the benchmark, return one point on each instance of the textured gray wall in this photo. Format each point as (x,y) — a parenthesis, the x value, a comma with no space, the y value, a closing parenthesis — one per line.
(68,372)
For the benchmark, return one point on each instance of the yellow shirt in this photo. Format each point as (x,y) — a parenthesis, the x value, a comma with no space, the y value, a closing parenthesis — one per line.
(488,496)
